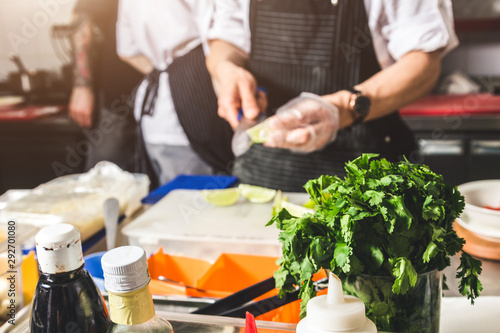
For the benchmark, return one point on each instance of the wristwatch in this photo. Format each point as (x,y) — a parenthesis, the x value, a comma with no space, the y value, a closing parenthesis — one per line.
(359,105)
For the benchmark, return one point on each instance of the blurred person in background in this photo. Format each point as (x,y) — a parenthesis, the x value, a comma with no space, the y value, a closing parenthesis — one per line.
(367,58)
(175,105)
(102,85)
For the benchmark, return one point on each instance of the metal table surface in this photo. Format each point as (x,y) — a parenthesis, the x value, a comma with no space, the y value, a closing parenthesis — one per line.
(188,323)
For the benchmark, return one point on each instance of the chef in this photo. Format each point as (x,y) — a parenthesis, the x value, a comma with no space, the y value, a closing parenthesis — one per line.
(175,104)
(366,58)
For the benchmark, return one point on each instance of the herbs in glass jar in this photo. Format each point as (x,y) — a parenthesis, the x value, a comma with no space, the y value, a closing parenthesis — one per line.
(383,219)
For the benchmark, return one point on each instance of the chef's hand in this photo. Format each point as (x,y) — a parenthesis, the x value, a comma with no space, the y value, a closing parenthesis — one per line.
(81,106)
(237,90)
(305,124)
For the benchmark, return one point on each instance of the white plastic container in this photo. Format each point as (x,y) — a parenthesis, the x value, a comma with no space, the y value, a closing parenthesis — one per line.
(335,313)
(183,223)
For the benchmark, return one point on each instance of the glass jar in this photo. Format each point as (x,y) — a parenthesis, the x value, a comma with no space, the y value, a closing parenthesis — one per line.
(418,310)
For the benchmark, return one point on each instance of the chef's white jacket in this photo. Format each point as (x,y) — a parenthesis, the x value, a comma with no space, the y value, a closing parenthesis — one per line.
(397,26)
(162,31)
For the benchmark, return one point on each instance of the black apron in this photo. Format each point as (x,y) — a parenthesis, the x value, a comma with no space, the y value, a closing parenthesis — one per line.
(196,106)
(314,46)
(195,103)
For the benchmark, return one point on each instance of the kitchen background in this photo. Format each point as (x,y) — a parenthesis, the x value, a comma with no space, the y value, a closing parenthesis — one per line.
(27,28)
(37,31)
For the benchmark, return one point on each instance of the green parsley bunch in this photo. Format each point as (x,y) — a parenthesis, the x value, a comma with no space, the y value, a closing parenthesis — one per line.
(383,219)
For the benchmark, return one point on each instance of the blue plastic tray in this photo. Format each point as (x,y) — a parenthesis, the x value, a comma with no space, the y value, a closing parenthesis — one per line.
(190,182)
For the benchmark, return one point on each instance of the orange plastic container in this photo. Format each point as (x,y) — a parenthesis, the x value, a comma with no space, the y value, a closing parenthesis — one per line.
(229,274)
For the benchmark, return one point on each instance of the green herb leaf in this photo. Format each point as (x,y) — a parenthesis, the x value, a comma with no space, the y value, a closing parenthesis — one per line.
(405,275)
(468,273)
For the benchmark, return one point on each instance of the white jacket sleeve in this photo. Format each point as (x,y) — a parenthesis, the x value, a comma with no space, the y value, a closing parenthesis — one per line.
(231,23)
(401,26)
(125,42)
(425,25)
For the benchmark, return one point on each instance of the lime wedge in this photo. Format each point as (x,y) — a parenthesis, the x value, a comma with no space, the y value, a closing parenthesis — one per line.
(296,210)
(224,197)
(277,203)
(259,133)
(309,204)
(256,194)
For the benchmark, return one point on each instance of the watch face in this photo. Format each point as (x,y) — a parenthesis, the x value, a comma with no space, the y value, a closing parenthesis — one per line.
(362,106)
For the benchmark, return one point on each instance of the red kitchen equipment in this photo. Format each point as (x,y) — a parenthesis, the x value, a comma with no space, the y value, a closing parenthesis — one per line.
(447,105)
(250,326)
(27,113)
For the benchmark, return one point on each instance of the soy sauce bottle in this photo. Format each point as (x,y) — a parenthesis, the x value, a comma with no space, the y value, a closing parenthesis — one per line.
(66,298)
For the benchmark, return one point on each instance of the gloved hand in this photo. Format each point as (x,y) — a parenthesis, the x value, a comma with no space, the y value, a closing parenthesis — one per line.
(305,124)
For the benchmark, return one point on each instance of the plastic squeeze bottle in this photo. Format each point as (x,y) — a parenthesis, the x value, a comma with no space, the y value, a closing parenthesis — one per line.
(66,298)
(335,313)
(126,279)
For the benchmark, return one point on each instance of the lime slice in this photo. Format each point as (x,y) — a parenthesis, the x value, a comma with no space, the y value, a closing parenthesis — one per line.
(224,197)
(259,133)
(309,204)
(296,210)
(277,203)
(256,194)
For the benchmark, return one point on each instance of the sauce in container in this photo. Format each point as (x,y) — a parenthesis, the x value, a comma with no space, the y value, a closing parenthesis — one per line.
(66,298)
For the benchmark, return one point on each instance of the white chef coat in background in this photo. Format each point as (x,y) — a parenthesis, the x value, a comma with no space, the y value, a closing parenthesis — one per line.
(397,26)
(162,31)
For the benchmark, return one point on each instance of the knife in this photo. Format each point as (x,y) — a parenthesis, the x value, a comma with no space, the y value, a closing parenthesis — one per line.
(241,141)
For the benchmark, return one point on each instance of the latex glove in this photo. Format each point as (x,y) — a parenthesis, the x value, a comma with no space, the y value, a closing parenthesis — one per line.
(305,124)
(81,106)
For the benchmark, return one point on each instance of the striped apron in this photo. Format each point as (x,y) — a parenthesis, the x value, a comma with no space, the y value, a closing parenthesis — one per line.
(195,103)
(315,46)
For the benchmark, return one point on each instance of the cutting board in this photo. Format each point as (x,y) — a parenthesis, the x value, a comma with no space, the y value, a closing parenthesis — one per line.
(184,217)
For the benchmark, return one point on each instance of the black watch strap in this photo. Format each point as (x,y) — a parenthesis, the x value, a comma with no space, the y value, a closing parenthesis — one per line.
(361,106)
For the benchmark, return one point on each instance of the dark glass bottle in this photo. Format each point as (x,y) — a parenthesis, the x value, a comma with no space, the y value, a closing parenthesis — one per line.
(66,299)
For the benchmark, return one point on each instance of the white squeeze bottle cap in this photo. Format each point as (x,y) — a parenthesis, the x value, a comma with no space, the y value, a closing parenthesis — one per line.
(59,249)
(335,312)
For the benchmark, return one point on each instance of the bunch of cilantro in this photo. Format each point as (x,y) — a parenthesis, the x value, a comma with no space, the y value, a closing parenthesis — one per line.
(383,219)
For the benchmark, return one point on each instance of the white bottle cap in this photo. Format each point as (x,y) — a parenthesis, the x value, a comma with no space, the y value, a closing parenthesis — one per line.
(59,249)
(336,312)
(125,269)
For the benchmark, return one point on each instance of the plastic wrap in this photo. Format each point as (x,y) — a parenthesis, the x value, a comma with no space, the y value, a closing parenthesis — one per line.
(78,199)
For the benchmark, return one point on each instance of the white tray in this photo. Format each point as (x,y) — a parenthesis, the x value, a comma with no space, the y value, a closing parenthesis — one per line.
(183,223)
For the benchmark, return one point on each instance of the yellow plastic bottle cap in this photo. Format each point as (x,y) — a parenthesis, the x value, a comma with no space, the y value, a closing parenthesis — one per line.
(224,197)
(257,194)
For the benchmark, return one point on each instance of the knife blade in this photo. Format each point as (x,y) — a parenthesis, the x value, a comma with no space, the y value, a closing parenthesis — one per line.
(241,141)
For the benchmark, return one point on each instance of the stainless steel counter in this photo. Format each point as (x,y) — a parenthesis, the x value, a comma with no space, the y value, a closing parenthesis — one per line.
(189,323)
(185,323)
(453,123)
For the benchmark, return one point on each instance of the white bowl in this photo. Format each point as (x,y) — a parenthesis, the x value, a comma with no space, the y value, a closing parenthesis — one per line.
(479,194)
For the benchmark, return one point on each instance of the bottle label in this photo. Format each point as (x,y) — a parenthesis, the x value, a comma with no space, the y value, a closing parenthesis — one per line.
(132,308)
